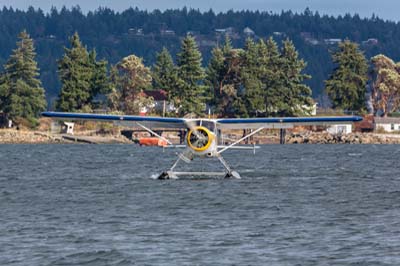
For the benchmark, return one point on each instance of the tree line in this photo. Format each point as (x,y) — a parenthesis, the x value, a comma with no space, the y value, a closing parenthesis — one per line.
(113,35)
(263,78)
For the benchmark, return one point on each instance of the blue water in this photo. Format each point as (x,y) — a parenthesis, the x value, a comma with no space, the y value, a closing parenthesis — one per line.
(295,205)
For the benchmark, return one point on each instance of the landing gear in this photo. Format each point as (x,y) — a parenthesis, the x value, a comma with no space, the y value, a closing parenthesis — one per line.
(228,173)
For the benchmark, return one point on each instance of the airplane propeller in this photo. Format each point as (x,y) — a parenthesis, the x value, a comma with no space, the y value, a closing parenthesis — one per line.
(187,154)
(197,138)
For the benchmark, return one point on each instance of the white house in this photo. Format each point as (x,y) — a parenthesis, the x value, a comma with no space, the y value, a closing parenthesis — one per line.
(340,129)
(68,128)
(332,41)
(388,124)
(310,109)
(248,32)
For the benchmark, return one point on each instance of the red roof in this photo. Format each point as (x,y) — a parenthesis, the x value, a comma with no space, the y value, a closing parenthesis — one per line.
(366,124)
(158,95)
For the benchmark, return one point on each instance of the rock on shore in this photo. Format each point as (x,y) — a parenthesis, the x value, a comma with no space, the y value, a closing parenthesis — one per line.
(11,136)
(353,138)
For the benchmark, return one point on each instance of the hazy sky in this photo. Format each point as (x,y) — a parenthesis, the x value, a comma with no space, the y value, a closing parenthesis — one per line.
(387,9)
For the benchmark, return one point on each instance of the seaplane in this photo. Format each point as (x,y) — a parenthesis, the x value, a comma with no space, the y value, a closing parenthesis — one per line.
(202,138)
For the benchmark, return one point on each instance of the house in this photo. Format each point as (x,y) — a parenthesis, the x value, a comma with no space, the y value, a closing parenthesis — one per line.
(388,124)
(136,31)
(230,31)
(167,32)
(371,42)
(312,41)
(310,109)
(279,34)
(340,129)
(366,125)
(248,32)
(68,128)
(332,41)
(308,38)
(161,103)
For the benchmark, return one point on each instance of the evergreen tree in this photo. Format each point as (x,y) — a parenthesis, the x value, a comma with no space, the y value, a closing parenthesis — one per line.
(107,30)
(114,97)
(4,91)
(285,93)
(346,86)
(271,76)
(190,94)
(99,82)
(297,96)
(227,47)
(76,74)
(215,76)
(251,75)
(164,72)
(224,81)
(21,92)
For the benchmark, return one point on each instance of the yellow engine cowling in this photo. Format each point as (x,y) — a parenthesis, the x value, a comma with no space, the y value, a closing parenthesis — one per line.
(201,141)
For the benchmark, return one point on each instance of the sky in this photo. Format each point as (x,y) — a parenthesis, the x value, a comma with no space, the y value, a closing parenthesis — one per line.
(386,9)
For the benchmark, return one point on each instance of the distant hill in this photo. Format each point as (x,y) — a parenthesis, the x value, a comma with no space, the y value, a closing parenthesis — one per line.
(115,35)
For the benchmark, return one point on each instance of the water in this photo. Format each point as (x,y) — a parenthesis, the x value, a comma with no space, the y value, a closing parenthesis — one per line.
(295,205)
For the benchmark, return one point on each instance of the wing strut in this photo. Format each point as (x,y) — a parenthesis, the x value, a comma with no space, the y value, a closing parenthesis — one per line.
(154,133)
(240,140)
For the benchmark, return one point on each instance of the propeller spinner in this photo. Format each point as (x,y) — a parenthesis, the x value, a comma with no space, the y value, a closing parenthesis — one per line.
(199,138)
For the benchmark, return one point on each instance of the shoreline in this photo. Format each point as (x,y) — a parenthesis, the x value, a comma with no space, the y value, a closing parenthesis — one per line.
(12,136)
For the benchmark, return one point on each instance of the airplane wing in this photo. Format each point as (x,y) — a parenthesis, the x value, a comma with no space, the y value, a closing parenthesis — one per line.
(123,120)
(228,123)
(284,122)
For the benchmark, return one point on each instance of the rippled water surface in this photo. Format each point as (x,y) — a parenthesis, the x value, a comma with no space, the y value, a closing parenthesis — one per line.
(295,205)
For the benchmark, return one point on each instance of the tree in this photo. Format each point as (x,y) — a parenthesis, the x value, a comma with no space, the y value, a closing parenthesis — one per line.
(114,97)
(99,81)
(281,75)
(21,92)
(231,101)
(164,72)
(251,75)
(133,78)
(346,86)
(271,76)
(76,74)
(4,91)
(215,75)
(296,95)
(224,81)
(386,85)
(190,94)
(103,26)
